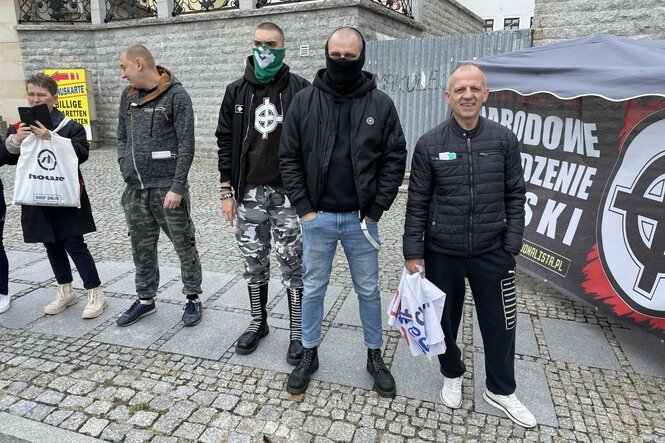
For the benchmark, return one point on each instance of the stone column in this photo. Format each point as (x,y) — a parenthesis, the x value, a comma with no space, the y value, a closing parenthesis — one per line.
(97,11)
(247,4)
(417,7)
(164,8)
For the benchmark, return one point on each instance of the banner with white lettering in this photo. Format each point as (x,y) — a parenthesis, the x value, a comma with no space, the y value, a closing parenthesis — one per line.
(595,209)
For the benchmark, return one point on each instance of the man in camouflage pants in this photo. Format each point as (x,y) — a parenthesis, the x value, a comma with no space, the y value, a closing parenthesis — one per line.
(155,152)
(248,135)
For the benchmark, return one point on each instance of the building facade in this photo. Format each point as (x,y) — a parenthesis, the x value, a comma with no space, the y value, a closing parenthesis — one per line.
(502,14)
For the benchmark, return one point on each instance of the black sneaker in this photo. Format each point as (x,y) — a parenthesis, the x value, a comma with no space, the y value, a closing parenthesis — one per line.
(135,312)
(193,313)
(384,383)
(299,378)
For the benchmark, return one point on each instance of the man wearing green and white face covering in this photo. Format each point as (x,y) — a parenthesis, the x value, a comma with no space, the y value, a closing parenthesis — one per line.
(248,135)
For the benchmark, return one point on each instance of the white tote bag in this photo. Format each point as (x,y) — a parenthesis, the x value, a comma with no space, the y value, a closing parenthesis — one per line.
(416,309)
(47,172)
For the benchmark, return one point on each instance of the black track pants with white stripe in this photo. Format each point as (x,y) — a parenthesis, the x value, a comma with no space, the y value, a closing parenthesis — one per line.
(491,277)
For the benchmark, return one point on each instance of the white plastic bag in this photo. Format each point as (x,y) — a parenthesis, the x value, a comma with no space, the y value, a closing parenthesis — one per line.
(47,172)
(416,309)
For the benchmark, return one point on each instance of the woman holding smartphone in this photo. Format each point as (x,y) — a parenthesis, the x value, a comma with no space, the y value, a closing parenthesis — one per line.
(60,229)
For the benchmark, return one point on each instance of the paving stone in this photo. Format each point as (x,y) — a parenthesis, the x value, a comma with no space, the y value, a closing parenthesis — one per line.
(245,409)
(82,387)
(50,397)
(416,377)
(226,421)
(532,390)
(38,272)
(18,259)
(183,409)
(115,432)
(364,435)
(138,436)
(236,296)
(204,398)
(213,435)
(74,421)
(225,402)
(76,402)
(166,424)
(99,407)
(211,338)
(211,284)
(69,322)
(342,359)
(341,432)
(22,407)
(28,308)
(349,313)
(190,431)
(94,426)
(143,419)
(39,412)
(645,352)
(332,294)
(580,343)
(107,270)
(127,284)
(203,415)
(146,331)
(56,417)
(525,338)
(271,353)
(119,413)
(239,438)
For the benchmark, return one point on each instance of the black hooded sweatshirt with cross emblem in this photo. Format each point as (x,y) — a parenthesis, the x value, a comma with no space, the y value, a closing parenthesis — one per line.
(265,128)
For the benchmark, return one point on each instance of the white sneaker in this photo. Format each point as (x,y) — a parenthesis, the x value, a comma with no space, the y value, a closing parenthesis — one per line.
(65,297)
(512,407)
(96,303)
(451,393)
(5,302)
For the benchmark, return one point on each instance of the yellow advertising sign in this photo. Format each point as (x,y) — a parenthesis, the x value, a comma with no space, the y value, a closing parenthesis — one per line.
(73,97)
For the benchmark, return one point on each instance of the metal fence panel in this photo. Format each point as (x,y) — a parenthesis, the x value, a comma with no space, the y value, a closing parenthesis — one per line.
(414,72)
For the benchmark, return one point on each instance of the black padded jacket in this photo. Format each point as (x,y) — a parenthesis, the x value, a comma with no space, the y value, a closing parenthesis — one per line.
(378,149)
(466,192)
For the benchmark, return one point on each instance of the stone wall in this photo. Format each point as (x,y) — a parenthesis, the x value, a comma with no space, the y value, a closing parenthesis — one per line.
(205,51)
(556,20)
(449,18)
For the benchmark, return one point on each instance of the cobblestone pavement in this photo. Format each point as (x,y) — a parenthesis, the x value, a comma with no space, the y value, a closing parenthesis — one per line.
(585,377)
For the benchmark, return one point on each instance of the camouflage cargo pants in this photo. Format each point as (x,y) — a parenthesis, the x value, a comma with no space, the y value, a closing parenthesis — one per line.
(145,215)
(260,211)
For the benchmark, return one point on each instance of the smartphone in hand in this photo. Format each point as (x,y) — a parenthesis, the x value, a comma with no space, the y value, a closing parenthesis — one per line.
(31,115)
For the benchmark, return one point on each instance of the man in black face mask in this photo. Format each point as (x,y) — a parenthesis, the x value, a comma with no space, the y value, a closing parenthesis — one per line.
(342,158)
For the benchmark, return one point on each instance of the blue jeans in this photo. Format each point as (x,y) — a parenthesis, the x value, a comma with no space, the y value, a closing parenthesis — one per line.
(320,236)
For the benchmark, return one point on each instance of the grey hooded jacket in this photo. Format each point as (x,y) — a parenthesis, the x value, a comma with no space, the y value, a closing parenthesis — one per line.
(162,120)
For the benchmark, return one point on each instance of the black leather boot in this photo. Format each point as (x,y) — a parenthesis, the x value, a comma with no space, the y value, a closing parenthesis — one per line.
(299,377)
(296,349)
(384,383)
(258,328)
